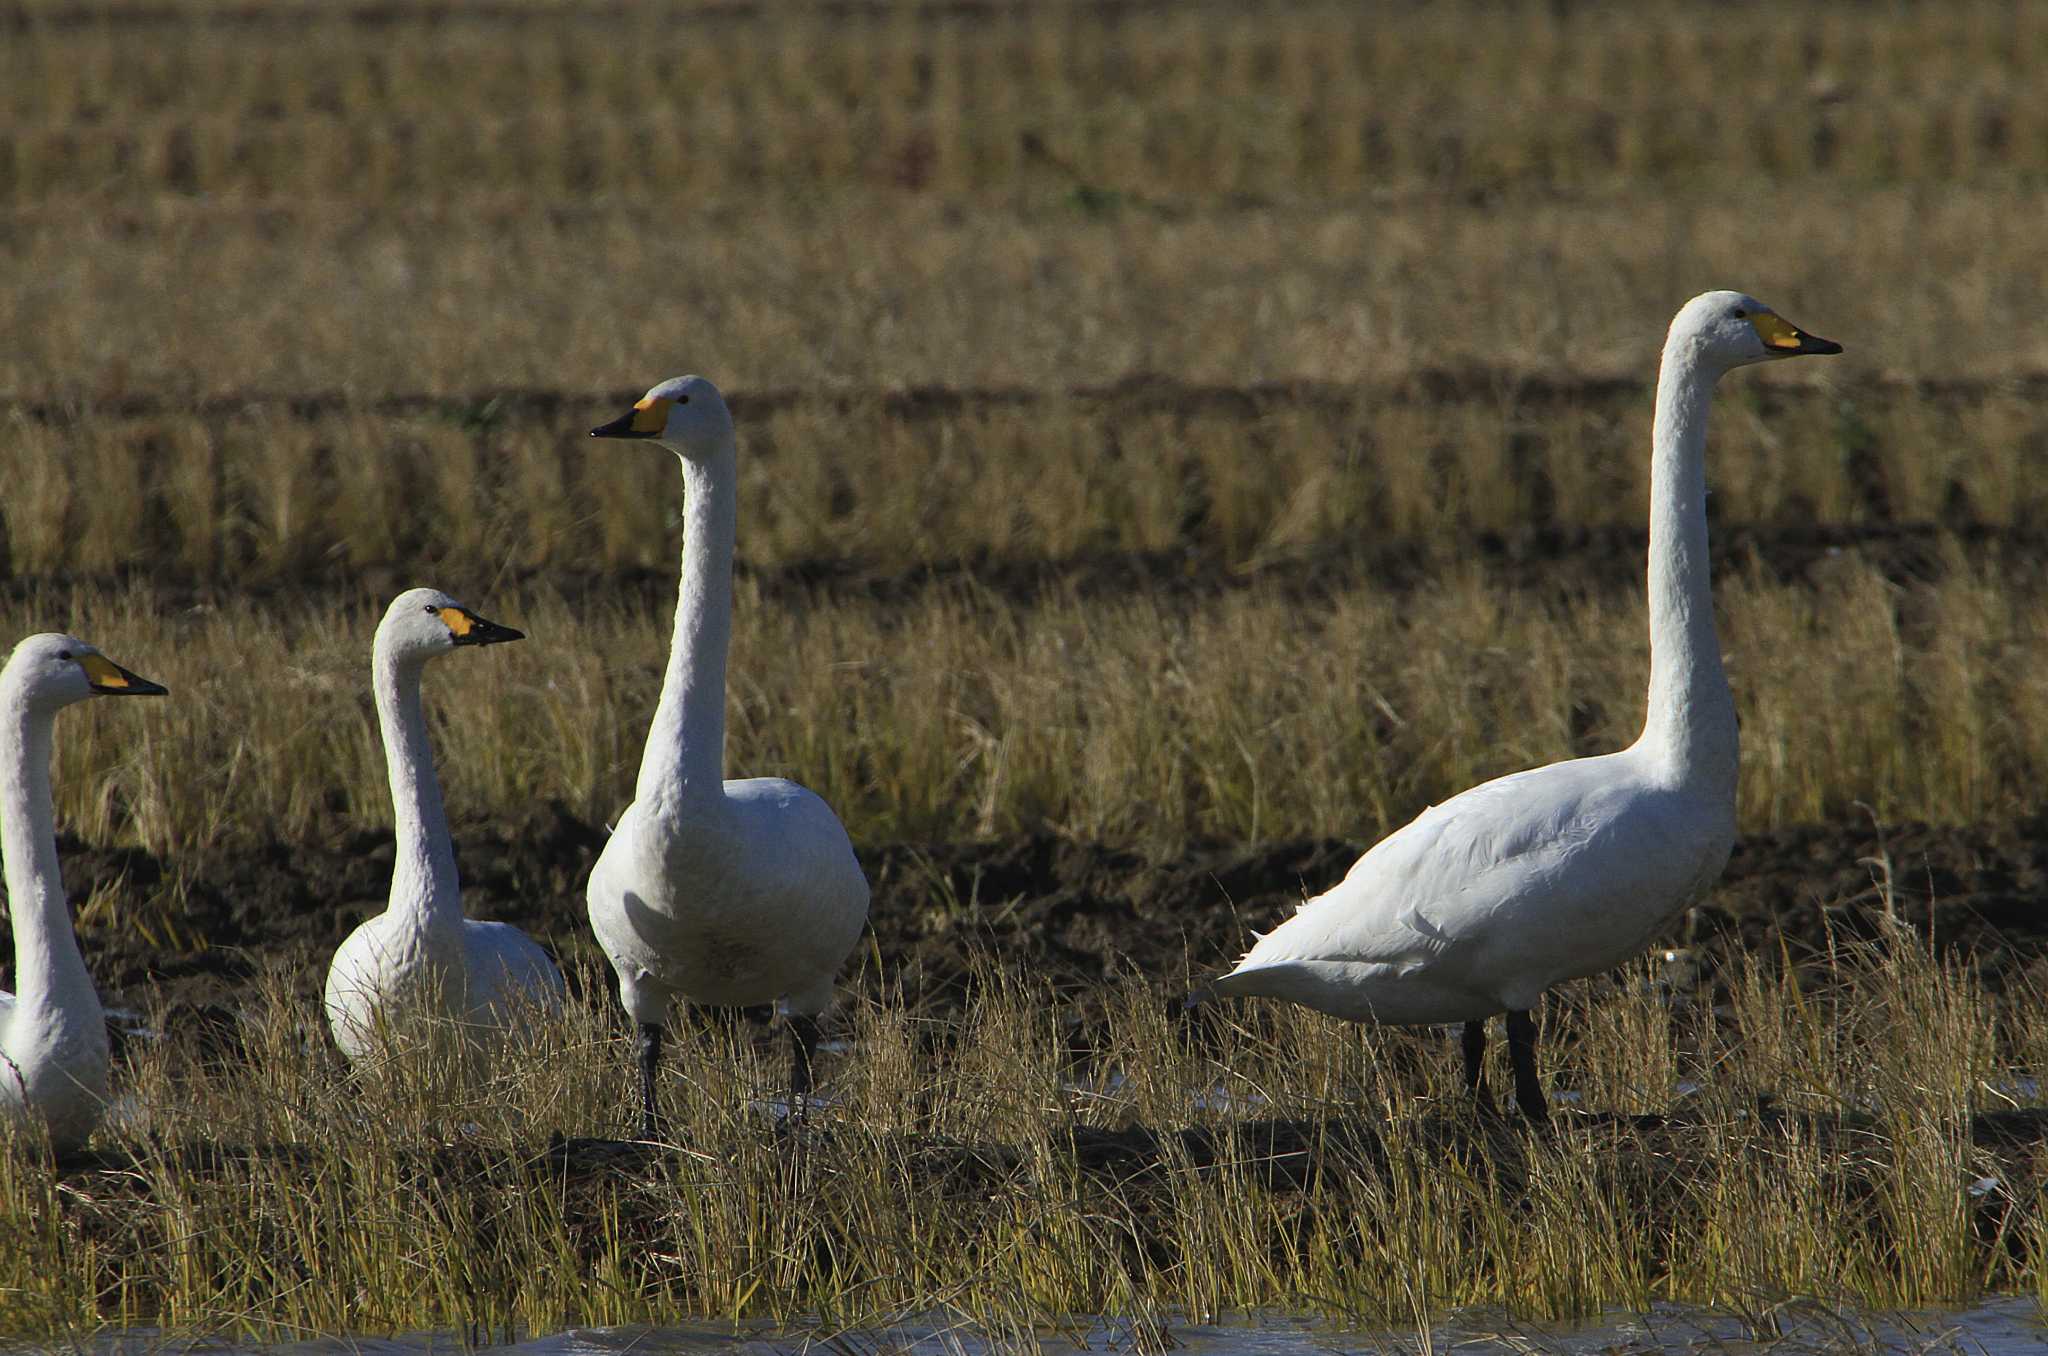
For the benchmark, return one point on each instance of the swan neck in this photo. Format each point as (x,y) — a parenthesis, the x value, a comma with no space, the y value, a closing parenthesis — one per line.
(1691,719)
(685,757)
(49,972)
(423,879)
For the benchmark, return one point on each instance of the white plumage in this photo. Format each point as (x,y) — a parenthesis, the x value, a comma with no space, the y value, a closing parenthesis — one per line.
(1483,902)
(421,956)
(53,1034)
(718,892)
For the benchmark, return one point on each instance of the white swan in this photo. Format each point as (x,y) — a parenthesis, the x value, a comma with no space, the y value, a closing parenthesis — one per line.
(421,955)
(1488,899)
(718,892)
(53,1036)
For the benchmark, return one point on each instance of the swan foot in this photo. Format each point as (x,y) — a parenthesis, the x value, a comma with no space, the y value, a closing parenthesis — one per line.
(1522,1054)
(650,1065)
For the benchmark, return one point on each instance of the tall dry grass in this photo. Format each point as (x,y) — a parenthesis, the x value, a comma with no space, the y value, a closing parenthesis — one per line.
(1251,714)
(1807,1133)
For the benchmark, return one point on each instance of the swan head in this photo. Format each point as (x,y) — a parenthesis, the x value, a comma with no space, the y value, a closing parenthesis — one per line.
(421,623)
(686,415)
(52,670)
(1732,329)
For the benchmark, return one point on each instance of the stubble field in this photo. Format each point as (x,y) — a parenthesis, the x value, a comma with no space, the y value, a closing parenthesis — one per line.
(1177,445)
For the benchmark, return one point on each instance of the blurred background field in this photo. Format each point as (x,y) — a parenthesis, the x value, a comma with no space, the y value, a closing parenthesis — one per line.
(1179,442)
(1227,390)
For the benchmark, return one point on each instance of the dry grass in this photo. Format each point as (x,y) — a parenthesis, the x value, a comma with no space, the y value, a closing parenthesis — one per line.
(267,272)
(875,290)
(467,488)
(1819,1143)
(1196,101)
(1252,714)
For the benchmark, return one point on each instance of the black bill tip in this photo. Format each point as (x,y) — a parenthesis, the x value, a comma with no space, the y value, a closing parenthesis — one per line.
(621,427)
(127,684)
(483,632)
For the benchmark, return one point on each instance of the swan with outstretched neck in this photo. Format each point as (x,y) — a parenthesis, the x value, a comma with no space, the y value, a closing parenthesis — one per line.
(1483,902)
(421,956)
(728,893)
(53,1034)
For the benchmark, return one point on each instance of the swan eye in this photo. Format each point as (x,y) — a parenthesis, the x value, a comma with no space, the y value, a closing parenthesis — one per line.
(682,400)
(430,608)
(1737,313)
(64,655)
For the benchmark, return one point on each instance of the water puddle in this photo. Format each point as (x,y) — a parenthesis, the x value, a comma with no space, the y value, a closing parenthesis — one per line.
(2007,1327)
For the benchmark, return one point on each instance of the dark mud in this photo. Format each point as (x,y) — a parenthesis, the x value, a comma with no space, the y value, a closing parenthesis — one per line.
(1064,914)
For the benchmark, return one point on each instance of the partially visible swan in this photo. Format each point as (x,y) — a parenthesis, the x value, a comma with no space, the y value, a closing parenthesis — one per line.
(53,1036)
(718,892)
(421,956)
(1488,899)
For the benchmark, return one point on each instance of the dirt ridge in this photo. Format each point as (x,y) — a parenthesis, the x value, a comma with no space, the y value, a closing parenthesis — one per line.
(1139,393)
(1070,914)
(1552,560)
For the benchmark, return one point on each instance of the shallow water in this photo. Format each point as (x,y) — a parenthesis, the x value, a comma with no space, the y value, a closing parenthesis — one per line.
(1997,1328)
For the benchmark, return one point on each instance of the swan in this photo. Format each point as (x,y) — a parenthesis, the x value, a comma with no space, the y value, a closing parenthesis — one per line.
(1483,902)
(53,1035)
(421,950)
(726,893)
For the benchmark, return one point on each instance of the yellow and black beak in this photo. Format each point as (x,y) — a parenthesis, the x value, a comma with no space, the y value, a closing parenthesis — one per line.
(1785,339)
(470,629)
(111,680)
(646,419)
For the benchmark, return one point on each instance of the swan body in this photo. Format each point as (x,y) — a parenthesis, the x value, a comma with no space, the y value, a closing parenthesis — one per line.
(53,1034)
(1483,902)
(714,891)
(421,956)
(742,901)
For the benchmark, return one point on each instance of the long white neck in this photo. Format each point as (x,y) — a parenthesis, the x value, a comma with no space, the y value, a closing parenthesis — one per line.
(423,879)
(685,757)
(48,971)
(1691,722)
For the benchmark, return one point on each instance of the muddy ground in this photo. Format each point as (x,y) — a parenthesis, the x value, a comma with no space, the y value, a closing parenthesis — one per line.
(1073,913)
(1070,913)
(1076,914)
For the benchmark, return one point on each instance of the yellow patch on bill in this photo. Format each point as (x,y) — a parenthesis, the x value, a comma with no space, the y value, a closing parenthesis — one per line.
(102,671)
(650,415)
(1775,330)
(460,622)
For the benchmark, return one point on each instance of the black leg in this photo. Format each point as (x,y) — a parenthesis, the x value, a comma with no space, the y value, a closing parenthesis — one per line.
(1475,1064)
(1522,1054)
(650,1065)
(804,1033)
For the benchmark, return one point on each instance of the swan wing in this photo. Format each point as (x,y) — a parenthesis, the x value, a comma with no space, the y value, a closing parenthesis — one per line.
(500,960)
(1436,884)
(1485,900)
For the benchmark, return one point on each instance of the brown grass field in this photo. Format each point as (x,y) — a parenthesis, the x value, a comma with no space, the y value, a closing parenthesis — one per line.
(1178,444)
